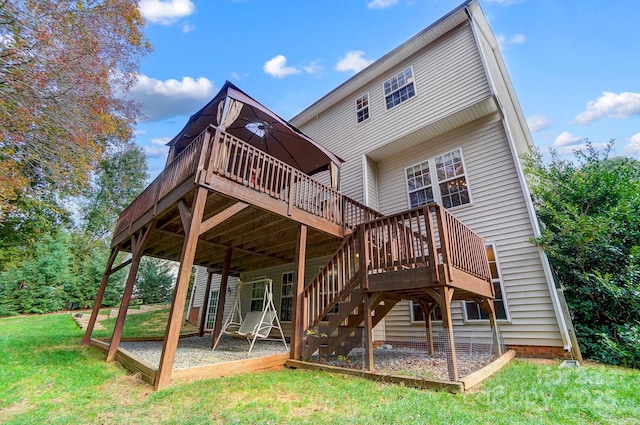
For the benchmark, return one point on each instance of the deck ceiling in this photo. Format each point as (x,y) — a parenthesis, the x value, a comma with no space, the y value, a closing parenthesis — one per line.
(259,238)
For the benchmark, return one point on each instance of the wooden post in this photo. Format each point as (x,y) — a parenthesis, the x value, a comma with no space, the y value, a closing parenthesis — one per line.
(172,335)
(490,308)
(222,296)
(446,295)
(298,319)
(137,247)
(205,303)
(368,331)
(100,295)
(427,308)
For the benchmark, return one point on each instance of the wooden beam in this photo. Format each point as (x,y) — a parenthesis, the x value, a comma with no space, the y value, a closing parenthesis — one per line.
(447,326)
(120,266)
(222,296)
(100,295)
(368,331)
(212,222)
(185,216)
(138,244)
(172,335)
(298,321)
(489,306)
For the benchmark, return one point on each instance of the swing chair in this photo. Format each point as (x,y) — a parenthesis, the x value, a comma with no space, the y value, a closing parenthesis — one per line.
(256,324)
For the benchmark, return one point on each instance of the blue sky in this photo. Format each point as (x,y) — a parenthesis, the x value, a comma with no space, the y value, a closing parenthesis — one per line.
(575,65)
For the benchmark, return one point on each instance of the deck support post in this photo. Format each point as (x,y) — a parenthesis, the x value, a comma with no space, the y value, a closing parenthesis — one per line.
(427,308)
(100,295)
(368,331)
(205,303)
(192,220)
(298,319)
(138,243)
(489,306)
(446,295)
(222,297)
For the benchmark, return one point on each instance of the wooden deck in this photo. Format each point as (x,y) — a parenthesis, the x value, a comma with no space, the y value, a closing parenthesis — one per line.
(255,204)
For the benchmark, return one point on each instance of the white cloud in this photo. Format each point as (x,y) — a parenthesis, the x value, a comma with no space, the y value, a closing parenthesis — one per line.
(538,122)
(353,61)
(187,27)
(313,68)
(382,4)
(160,141)
(155,151)
(611,105)
(165,99)
(567,139)
(514,39)
(633,147)
(166,12)
(277,67)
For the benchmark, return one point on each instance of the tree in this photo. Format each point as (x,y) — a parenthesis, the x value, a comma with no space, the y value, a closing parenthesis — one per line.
(64,65)
(154,281)
(120,178)
(591,234)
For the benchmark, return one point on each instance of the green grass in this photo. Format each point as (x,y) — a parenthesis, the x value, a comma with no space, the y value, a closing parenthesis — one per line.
(147,324)
(47,377)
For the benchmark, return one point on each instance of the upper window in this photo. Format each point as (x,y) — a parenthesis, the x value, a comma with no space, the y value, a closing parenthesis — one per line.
(399,88)
(362,108)
(472,309)
(449,174)
(286,299)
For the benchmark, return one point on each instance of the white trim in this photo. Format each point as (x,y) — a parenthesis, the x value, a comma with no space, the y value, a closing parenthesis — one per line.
(365,180)
(283,297)
(395,75)
(553,294)
(368,107)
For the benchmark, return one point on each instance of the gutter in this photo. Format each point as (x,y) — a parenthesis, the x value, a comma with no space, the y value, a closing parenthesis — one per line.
(563,319)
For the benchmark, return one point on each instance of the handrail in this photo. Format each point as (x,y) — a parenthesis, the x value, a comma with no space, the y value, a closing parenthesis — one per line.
(427,236)
(215,151)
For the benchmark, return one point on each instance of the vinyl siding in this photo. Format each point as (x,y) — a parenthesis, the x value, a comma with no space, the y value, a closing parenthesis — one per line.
(498,213)
(200,284)
(448,77)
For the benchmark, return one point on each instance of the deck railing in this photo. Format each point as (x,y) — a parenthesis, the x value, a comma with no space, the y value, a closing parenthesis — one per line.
(217,152)
(427,236)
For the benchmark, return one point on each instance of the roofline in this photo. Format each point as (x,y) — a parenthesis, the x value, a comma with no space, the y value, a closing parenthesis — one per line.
(381,65)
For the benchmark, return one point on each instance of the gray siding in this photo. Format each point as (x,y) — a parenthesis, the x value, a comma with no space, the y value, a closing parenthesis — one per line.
(498,213)
(449,77)
(200,285)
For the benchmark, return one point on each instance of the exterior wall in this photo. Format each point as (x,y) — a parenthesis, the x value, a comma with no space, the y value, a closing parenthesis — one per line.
(200,285)
(498,213)
(448,77)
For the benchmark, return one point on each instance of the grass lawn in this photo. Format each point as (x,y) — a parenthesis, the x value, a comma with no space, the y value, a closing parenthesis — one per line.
(150,323)
(47,377)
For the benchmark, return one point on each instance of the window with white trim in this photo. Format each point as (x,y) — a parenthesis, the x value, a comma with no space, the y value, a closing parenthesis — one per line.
(286,298)
(473,311)
(212,308)
(399,88)
(257,296)
(448,172)
(362,108)
(418,316)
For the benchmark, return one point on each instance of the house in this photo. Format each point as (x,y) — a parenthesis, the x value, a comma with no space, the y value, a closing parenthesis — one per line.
(394,204)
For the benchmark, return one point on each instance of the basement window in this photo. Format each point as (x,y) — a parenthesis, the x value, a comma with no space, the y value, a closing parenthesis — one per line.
(472,310)
(418,316)
(399,88)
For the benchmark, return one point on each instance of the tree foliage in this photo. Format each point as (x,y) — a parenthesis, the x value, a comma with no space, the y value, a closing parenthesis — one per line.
(154,281)
(591,233)
(120,177)
(63,67)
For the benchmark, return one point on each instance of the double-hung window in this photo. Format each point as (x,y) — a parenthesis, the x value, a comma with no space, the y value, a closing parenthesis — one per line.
(362,108)
(417,315)
(257,296)
(286,298)
(473,311)
(399,88)
(441,179)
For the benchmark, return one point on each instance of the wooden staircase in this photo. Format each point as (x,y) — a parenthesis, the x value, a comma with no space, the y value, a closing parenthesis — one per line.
(404,256)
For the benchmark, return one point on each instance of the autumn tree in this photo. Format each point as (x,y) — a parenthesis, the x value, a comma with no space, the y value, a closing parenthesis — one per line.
(64,65)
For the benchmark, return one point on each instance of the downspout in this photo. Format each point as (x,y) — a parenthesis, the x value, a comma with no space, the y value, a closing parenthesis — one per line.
(553,291)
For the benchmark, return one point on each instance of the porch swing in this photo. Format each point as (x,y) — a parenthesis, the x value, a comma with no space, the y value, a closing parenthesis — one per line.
(256,324)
